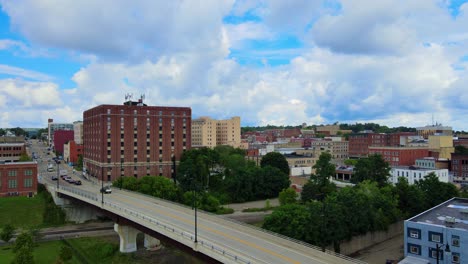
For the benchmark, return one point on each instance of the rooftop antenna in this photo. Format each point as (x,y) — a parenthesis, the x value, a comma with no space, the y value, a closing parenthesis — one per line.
(432,119)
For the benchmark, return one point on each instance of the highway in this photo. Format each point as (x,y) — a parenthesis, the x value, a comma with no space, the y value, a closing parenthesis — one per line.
(224,240)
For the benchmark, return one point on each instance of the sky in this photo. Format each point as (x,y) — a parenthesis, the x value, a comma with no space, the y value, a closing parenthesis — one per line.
(277,62)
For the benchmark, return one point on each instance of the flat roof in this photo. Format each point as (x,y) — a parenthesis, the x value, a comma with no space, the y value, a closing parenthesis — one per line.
(415,168)
(11,144)
(452,213)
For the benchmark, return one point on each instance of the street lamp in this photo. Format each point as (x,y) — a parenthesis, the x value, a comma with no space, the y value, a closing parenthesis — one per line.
(102,185)
(438,247)
(194,205)
(58,169)
(121,169)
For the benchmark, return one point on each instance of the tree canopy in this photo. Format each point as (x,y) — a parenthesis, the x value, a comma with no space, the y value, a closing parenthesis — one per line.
(373,168)
(277,160)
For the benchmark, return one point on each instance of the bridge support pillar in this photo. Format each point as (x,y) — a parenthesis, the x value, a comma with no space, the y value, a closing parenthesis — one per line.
(128,237)
(151,243)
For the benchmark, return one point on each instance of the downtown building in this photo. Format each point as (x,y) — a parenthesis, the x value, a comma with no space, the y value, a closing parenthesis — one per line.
(134,139)
(207,132)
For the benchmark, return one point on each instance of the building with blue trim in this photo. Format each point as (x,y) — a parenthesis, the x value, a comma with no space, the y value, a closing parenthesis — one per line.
(444,227)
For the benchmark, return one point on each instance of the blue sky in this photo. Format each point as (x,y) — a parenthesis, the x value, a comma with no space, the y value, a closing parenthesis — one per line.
(267,61)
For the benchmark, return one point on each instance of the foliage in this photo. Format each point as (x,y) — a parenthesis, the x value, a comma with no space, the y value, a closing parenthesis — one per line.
(314,191)
(23,248)
(324,169)
(277,160)
(7,232)
(25,157)
(375,127)
(66,253)
(287,196)
(350,162)
(53,214)
(79,164)
(434,191)
(373,168)
(291,220)
(410,198)
(461,150)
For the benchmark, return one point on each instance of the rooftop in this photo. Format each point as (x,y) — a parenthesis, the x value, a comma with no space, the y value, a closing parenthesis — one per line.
(452,213)
(415,168)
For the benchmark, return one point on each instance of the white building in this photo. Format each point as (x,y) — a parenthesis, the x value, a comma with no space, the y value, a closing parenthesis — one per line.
(414,174)
(78,132)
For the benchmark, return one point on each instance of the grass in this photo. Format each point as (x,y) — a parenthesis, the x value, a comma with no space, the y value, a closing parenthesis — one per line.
(22,212)
(263,209)
(43,253)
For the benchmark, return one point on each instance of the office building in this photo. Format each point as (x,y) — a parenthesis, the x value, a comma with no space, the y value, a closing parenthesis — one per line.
(61,137)
(18,178)
(10,152)
(52,127)
(207,132)
(78,132)
(400,156)
(134,139)
(437,129)
(414,174)
(460,168)
(438,235)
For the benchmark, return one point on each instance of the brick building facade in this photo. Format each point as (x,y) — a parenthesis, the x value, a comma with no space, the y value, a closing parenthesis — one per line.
(134,139)
(11,151)
(400,156)
(61,137)
(18,178)
(459,168)
(359,143)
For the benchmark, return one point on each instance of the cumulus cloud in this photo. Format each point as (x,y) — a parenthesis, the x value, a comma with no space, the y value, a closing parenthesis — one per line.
(368,61)
(15,71)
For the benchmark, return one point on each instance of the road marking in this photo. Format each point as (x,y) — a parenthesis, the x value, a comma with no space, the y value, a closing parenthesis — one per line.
(218,232)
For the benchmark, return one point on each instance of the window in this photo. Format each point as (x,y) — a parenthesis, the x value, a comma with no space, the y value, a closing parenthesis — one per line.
(455,241)
(455,257)
(28,182)
(12,184)
(414,249)
(414,233)
(433,253)
(28,173)
(435,237)
(12,173)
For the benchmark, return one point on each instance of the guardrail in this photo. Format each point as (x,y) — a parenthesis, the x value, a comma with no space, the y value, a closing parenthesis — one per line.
(259,229)
(184,234)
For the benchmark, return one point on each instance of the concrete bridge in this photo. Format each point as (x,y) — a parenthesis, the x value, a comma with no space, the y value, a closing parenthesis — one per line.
(218,238)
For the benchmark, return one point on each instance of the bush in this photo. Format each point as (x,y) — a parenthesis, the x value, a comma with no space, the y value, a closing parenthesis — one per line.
(66,253)
(107,250)
(224,210)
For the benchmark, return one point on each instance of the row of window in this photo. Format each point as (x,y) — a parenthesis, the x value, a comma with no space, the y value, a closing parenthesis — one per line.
(14,173)
(11,148)
(416,250)
(13,184)
(433,236)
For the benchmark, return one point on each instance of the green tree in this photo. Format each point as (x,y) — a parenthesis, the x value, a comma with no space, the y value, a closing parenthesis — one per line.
(314,191)
(287,196)
(291,220)
(7,233)
(461,150)
(66,253)
(373,168)
(23,249)
(25,157)
(273,182)
(324,169)
(277,160)
(410,198)
(434,191)
(350,162)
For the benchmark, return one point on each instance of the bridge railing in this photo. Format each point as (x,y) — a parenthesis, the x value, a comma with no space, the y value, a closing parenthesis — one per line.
(305,244)
(184,234)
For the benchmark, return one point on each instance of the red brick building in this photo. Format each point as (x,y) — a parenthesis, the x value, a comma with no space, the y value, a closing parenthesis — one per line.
(359,143)
(75,151)
(61,137)
(461,141)
(134,139)
(18,178)
(459,168)
(400,156)
(10,152)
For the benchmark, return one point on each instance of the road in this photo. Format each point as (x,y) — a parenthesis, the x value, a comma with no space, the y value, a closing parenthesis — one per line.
(244,242)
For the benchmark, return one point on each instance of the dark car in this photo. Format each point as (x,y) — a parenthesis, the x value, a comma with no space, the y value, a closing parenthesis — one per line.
(77,182)
(54,178)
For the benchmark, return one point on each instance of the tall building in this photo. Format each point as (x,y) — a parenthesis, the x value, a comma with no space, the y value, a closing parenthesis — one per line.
(18,178)
(134,139)
(78,132)
(60,138)
(437,129)
(438,235)
(52,127)
(207,132)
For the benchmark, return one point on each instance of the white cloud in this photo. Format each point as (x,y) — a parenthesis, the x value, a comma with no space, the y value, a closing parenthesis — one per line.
(15,71)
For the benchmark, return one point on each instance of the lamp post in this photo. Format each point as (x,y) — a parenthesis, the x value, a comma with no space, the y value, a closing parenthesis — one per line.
(102,185)
(58,171)
(121,169)
(194,205)
(438,247)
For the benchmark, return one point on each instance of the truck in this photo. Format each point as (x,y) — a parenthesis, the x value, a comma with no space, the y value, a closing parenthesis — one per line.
(63,172)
